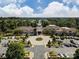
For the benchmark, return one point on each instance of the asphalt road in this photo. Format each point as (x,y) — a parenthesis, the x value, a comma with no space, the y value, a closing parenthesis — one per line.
(39,51)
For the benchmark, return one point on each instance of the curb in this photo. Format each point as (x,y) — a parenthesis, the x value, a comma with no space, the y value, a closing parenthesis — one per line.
(45,55)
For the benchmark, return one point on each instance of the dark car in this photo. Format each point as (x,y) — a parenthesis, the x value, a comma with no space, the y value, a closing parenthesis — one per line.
(76,46)
(72,41)
(68,45)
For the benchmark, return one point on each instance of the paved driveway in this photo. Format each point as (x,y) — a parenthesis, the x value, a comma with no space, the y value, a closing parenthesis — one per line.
(38,51)
(43,42)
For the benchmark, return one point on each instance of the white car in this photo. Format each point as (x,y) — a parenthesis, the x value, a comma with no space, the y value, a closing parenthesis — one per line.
(61,55)
(66,55)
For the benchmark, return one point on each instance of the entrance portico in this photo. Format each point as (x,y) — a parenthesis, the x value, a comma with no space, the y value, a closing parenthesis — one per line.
(39,28)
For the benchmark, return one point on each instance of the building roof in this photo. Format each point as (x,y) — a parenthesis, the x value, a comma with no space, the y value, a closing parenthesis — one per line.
(53,27)
(26,29)
(67,29)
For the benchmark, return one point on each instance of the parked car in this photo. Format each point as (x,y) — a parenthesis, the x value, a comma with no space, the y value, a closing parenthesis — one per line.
(68,45)
(72,41)
(76,38)
(66,55)
(74,45)
(61,55)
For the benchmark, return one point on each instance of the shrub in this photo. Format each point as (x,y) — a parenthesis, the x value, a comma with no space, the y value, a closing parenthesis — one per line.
(49,44)
(28,44)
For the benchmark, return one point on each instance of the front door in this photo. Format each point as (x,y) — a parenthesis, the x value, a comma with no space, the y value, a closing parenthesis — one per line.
(39,32)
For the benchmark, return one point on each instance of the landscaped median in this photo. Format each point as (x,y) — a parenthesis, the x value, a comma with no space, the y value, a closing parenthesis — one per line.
(29,55)
(54,55)
(50,55)
(39,39)
(54,44)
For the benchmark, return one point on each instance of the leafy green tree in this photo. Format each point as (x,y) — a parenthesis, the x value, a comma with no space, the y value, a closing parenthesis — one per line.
(11,24)
(15,51)
(77,23)
(29,43)
(3,26)
(77,34)
(17,32)
(76,55)
(49,44)
(0,38)
(34,23)
(53,38)
(62,37)
(26,35)
(45,23)
(23,39)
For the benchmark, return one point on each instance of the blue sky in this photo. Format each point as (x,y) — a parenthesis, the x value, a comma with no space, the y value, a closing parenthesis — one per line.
(39,8)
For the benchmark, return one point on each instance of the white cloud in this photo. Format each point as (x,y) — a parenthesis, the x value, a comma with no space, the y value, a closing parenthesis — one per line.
(71,1)
(21,1)
(26,11)
(77,1)
(6,2)
(56,9)
(13,10)
(2,2)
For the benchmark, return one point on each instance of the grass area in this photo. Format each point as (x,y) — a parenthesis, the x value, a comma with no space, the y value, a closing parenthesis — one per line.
(27,53)
(56,44)
(53,55)
(39,39)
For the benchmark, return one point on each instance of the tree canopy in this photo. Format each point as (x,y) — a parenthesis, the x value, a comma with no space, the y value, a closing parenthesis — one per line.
(15,51)
(10,23)
(76,55)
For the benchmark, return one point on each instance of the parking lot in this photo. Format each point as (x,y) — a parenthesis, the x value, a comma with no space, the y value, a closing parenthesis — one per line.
(68,51)
(40,46)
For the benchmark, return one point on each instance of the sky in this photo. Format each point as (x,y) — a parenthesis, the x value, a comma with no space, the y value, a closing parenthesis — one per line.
(39,8)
